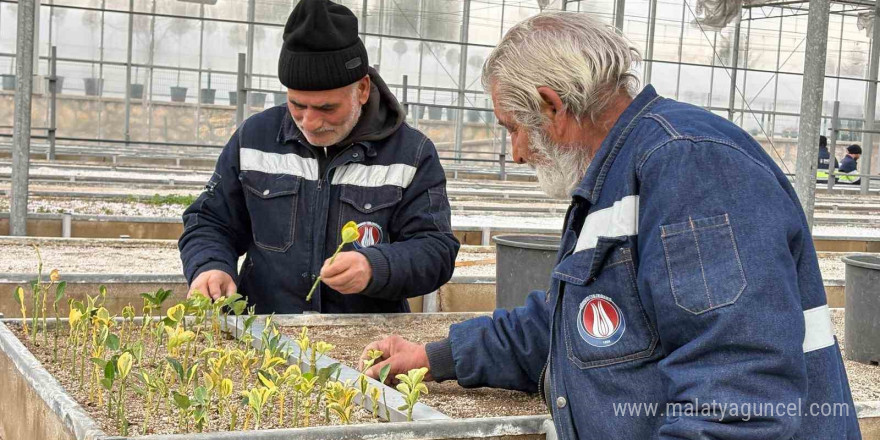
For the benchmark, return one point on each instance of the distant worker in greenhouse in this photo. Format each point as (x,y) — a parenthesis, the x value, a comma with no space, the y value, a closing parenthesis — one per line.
(822,170)
(292,176)
(687,301)
(849,165)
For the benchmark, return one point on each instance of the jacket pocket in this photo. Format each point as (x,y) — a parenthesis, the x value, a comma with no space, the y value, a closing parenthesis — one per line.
(271,202)
(603,319)
(705,271)
(371,208)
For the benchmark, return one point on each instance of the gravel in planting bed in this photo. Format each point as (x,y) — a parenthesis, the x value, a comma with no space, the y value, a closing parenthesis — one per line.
(93,256)
(448,397)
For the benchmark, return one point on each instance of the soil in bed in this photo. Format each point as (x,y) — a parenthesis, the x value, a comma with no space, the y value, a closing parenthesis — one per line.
(165,420)
(447,397)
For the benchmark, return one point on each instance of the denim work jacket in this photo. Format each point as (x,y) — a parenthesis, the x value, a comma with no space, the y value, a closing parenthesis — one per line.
(686,301)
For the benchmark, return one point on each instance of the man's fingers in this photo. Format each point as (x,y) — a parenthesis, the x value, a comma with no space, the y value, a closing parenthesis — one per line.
(331,270)
(197,286)
(214,290)
(230,289)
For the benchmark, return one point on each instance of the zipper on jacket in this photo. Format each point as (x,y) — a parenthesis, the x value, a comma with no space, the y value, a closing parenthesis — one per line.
(541,388)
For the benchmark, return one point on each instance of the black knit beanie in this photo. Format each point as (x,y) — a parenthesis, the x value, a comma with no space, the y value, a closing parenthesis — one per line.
(321,50)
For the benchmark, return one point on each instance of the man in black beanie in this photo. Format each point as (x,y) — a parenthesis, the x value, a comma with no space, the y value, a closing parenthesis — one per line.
(849,165)
(293,175)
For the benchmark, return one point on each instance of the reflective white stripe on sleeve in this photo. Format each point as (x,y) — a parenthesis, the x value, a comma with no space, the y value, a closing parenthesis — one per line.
(274,163)
(819,333)
(620,219)
(374,175)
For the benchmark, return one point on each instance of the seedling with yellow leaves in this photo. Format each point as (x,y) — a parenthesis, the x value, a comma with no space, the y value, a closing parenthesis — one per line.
(350,234)
(412,388)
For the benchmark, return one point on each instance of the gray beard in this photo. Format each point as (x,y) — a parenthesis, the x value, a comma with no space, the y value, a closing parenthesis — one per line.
(560,168)
(344,129)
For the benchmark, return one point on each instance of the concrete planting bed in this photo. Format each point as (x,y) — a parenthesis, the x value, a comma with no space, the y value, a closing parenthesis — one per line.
(34,405)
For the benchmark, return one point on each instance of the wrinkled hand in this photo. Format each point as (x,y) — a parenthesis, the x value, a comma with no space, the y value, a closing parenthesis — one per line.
(214,284)
(349,273)
(403,356)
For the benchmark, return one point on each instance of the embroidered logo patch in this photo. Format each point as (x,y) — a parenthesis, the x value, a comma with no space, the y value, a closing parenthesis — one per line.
(371,234)
(600,321)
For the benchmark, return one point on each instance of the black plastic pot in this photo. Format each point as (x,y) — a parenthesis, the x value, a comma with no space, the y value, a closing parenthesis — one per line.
(93,86)
(136,91)
(862,315)
(59,84)
(8,81)
(206,96)
(178,94)
(435,113)
(258,100)
(280,98)
(523,264)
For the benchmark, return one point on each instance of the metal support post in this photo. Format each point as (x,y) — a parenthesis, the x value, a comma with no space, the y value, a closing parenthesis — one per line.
(53,91)
(251,14)
(431,302)
(21,131)
(503,154)
(127,128)
(832,144)
(66,224)
(734,66)
(405,96)
(649,44)
(811,106)
(619,13)
(462,79)
(240,90)
(871,102)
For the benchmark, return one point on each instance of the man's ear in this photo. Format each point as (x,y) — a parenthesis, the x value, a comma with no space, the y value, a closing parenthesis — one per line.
(552,109)
(364,86)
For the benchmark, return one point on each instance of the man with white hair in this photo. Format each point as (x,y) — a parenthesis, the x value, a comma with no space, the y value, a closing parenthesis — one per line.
(686,301)
(292,176)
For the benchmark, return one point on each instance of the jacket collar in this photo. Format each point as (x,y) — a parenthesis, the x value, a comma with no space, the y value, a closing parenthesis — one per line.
(591,185)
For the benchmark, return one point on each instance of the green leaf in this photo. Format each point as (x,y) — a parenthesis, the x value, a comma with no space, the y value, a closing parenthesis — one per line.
(19,295)
(177,368)
(150,298)
(162,295)
(59,291)
(110,370)
(181,401)
(103,290)
(326,372)
(99,362)
(191,372)
(107,383)
(231,299)
(112,342)
(383,373)
(140,391)
(201,394)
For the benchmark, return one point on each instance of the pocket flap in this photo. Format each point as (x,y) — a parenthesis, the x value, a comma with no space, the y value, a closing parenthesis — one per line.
(581,267)
(267,186)
(370,200)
